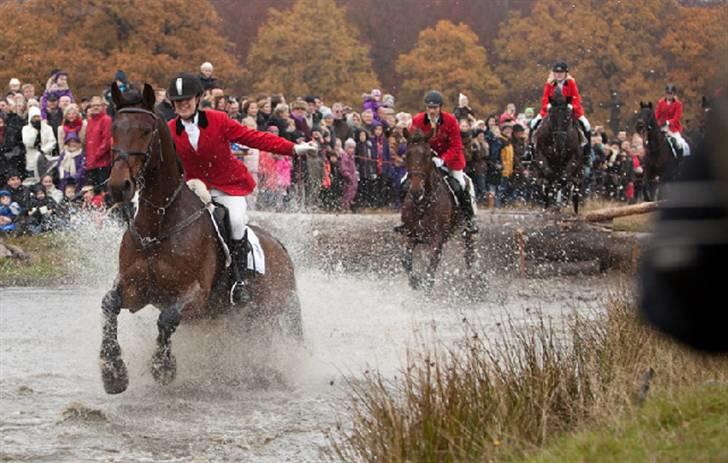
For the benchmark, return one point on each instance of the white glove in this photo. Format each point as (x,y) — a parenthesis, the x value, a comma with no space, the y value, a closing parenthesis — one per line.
(438,162)
(303,148)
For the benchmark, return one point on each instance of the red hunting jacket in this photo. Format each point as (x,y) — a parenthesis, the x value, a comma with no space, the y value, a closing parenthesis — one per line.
(569,89)
(446,142)
(213,162)
(669,113)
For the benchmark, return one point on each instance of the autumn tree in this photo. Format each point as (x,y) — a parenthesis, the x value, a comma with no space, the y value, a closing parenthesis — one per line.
(695,53)
(450,59)
(310,49)
(90,39)
(611,48)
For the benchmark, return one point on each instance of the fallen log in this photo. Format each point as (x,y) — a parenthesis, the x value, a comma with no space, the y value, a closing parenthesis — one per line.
(609,213)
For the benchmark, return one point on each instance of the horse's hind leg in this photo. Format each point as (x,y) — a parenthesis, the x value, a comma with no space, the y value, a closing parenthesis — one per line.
(469,243)
(113,370)
(164,365)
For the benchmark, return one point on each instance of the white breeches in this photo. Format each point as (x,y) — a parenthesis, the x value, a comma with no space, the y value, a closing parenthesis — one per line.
(465,183)
(237,208)
(681,141)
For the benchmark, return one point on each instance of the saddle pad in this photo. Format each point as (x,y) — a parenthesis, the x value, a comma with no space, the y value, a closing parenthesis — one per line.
(256,257)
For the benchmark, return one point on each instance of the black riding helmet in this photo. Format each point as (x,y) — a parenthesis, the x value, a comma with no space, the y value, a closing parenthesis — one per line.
(434,98)
(560,67)
(184,86)
(670,88)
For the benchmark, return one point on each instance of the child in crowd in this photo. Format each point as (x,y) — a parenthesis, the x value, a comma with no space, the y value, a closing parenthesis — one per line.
(72,161)
(9,211)
(42,213)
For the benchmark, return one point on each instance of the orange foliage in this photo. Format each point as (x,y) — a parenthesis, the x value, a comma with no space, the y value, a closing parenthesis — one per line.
(450,59)
(91,39)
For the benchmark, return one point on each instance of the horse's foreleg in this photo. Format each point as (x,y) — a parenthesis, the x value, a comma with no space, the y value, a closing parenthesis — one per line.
(434,263)
(469,244)
(164,365)
(113,370)
(407,264)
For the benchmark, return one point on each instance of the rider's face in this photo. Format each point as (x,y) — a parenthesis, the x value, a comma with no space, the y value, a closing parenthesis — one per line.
(433,112)
(560,75)
(186,108)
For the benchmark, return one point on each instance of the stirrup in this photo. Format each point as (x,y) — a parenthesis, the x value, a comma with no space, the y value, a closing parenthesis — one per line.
(401,228)
(239,293)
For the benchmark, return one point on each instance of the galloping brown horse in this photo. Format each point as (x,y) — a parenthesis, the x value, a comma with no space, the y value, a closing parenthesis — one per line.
(170,256)
(660,165)
(558,158)
(429,213)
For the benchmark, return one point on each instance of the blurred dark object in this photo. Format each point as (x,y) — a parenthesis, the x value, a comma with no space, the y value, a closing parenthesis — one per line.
(682,273)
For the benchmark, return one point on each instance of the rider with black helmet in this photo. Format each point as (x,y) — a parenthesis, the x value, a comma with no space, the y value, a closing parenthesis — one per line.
(448,144)
(668,112)
(202,140)
(561,79)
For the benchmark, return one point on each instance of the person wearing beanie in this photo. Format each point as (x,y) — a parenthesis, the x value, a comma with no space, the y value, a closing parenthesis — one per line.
(72,122)
(56,85)
(463,110)
(14,85)
(72,161)
(122,81)
(40,142)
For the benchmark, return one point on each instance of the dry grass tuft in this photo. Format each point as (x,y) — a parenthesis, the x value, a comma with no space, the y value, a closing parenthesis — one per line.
(496,399)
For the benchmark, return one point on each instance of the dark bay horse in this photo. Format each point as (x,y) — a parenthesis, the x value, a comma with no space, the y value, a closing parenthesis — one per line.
(170,256)
(660,165)
(429,213)
(558,156)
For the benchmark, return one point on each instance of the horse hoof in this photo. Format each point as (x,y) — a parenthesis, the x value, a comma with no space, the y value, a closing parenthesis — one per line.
(114,376)
(164,367)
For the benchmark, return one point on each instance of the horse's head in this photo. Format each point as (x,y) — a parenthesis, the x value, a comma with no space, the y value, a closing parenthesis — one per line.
(646,121)
(135,133)
(419,163)
(559,114)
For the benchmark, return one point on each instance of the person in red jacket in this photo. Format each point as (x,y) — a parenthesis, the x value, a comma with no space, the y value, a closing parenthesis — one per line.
(560,78)
(448,144)
(202,140)
(668,113)
(98,144)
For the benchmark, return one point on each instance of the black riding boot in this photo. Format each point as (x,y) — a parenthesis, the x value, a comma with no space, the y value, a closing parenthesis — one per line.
(239,292)
(467,206)
(587,148)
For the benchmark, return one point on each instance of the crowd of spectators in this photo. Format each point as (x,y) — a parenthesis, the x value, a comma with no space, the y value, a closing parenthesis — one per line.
(55,151)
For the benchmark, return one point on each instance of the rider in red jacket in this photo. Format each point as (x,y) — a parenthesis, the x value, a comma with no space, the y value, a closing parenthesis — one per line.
(560,78)
(448,144)
(202,140)
(668,112)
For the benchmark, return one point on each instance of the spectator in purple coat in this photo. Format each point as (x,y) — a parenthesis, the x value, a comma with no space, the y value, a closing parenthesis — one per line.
(72,162)
(347,169)
(57,85)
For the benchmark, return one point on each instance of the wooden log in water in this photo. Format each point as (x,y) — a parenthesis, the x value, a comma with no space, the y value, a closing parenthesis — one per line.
(602,215)
(526,243)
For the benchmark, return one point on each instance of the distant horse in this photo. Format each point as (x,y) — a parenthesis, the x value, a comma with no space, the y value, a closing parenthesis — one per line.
(558,160)
(170,256)
(660,164)
(429,212)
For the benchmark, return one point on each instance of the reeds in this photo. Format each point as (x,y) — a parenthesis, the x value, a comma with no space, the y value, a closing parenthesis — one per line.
(493,398)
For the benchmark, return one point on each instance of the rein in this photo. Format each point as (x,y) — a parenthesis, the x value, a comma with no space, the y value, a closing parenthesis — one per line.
(147,242)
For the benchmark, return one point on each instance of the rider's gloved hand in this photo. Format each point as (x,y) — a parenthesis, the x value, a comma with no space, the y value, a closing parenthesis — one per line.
(303,148)
(438,162)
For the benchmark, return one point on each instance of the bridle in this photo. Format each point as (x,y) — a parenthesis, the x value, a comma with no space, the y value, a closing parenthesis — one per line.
(123,155)
(421,174)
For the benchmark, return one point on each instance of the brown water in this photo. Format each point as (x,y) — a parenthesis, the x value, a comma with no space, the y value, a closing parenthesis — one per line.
(234,399)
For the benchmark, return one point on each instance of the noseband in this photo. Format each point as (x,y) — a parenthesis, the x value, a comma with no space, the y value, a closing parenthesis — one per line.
(123,155)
